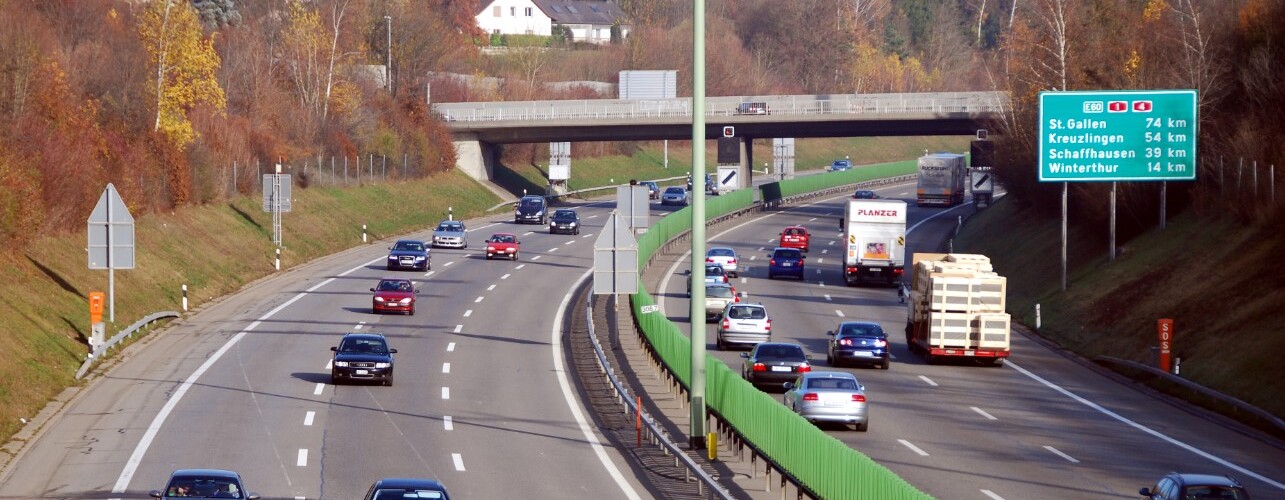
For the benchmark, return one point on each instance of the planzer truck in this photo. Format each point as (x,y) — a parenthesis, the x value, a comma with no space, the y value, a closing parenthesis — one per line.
(955,308)
(874,238)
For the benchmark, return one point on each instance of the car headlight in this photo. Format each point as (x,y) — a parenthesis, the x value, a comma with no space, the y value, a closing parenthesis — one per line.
(539,213)
(383,365)
(573,224)
(405,300)
(392,257)
(420,257)
(490,249)
(341,364)
(379,299)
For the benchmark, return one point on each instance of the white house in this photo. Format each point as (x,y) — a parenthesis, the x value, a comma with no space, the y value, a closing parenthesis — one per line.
(588,20)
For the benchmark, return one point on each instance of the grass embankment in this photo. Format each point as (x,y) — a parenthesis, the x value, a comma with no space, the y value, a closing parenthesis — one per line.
(214,249)
(649,161)
(1218,279)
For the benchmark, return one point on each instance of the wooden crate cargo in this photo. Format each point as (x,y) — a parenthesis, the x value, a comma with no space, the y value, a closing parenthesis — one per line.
(992,330)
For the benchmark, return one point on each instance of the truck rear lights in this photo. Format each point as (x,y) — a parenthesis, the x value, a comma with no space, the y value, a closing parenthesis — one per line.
(897,271)
(811,396)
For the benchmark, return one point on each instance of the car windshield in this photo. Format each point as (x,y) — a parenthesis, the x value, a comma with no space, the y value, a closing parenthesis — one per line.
(202,487)
(565,214)
(674,190)
(367,345)
(718,292)
(781,352)
(410,246)
(394,286)
(721,252)
(846,384)
(446,226)
(861,331)
(402,493)
(502,238)
(788,254)
(746,312)
(531,203)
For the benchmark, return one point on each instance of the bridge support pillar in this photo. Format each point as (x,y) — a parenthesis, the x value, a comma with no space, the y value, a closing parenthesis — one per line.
(474,157)
(746,167)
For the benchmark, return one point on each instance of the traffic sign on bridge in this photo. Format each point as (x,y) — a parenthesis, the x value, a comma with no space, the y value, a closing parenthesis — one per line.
(1118,136)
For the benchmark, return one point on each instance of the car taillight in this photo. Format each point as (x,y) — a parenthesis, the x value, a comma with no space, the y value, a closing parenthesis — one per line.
(726,324)
(772,262)
(759,367)
(708,259)
(769,324)
(858,398)
(733,261)
(898,271)
(845,341)
(811,396)
(881,343)
(805,368)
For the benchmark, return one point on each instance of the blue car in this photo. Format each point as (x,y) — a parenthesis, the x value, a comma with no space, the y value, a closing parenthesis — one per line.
(840,165)
(408,254)
(785,262)
(858,342)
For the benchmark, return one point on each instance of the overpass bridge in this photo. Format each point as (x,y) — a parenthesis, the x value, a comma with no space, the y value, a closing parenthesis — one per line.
(479,126)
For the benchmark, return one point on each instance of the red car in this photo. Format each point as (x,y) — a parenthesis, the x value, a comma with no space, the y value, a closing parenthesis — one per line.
(502,245)
(394,295)
(796,237)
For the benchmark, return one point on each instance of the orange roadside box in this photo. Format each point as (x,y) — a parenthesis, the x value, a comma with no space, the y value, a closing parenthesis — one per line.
(96,301)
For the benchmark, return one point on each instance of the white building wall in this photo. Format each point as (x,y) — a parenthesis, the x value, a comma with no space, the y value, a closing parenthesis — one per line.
(510,17)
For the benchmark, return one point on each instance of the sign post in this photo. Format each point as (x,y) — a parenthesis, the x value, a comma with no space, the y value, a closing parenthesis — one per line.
(615,258)
(276,199)
(1164,330)
(111,241)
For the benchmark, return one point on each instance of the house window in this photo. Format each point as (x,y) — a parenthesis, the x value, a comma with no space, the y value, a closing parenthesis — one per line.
(497,31)
(495,11)
(513,11)
(528,12)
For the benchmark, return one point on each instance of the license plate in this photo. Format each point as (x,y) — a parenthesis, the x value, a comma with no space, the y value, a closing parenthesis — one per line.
(863,354)
(363,372)
(781,369)
(787,264)
(875,271)
(969,353)
(834,403)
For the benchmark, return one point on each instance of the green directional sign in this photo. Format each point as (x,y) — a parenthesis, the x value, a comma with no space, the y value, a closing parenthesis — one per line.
(1118,136)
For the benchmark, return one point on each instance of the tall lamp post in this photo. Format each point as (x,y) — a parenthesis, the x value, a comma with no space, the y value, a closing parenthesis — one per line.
(388,68)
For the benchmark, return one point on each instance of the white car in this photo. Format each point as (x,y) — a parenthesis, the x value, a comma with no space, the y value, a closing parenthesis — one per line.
(744,324)
(725,257)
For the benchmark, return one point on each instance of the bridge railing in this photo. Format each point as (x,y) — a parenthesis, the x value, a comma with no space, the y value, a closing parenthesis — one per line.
(828,104)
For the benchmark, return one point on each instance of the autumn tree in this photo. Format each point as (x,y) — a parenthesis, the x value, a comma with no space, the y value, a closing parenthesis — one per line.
(186,67)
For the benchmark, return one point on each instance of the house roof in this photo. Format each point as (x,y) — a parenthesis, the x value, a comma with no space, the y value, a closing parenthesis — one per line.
(598,12)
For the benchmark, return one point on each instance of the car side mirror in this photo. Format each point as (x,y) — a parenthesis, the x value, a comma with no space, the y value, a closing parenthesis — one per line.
(416,291)
(517,242)
(372,289)
(154,494)
(743,295)
(745,355)
(390,248)
(830,333)
(807,357)
(1146,492)
(687,272)
(788,385)
(392,351)
(334,349)
(861,387)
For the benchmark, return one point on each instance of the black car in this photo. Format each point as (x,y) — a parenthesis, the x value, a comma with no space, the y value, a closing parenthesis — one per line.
(409,254)
(531,209)
(774,363)
(204,483)
(362,356)
(564,221)
(1178,486)
(865,194)
(653,189)
(397,488)
(858,342)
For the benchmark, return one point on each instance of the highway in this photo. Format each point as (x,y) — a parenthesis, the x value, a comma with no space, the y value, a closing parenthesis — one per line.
(480,399)
(1043,426)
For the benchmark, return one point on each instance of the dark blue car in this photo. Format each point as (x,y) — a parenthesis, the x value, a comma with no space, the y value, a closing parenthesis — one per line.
(362,356)
(408,254)
(401,488)
(858,342)
(785,262)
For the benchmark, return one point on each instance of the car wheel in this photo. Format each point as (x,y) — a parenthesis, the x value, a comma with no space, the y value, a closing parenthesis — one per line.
(333,379)
(388,268)
(863,427)
(515,257)
(829,360)
(411,311)
(885,365)
(997,362)
(388,382)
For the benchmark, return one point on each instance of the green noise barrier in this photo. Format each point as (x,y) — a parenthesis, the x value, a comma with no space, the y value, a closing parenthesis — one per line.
(823,464)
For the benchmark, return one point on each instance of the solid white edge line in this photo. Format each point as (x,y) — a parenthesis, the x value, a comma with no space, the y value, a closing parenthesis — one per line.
(912,447)
(1146,429)
(308,417)
(992,495)
(1055,451)
(303,458)
(447,423)
(459,461)
(983,413)
(556,350)
(928,380)
(664,283)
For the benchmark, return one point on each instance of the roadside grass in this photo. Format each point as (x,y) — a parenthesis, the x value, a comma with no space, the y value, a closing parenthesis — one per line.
(214,249)
(1217,278)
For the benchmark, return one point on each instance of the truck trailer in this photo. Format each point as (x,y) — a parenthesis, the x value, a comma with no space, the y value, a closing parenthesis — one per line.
(955,309)
(941,179)
(874,237)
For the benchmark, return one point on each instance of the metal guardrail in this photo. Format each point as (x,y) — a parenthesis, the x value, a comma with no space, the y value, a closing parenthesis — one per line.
(586,190)
(122,335)
(828,104)
(1202,390)
(655,433)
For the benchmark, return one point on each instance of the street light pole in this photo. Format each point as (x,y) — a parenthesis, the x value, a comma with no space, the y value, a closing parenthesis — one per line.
(388,68)
(696,318)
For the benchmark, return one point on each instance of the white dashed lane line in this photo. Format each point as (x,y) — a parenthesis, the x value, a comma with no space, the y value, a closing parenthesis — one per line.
(1060,454)
(430,273)
(303,458)
(459,461)
(831,242)
(824,251)
(446,368)
(506,276)
(307,418)
(458,328)
(528,233)
(451,346)
(913,448)
(489,288)
(447,423)
(928,381)
(551,250)
(812,219)
(984,414)
(752,257)
(520,266)
(478,299)
(590,217)
(827,297)
(991,495)
(819,259)
(535,258)
(448,264)
(446,393)
(762,249)
(320,387)
(468,313)
(745,280)
(838,312)
(587,235)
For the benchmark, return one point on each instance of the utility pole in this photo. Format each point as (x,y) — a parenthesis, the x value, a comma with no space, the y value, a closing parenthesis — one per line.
(388,68)
(696,320)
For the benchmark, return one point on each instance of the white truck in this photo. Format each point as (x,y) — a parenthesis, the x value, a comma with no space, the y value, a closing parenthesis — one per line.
(941,179)
(874,238)
(956,307)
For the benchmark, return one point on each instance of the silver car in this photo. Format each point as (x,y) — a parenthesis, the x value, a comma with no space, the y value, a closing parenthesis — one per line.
(829,397)
(674,196)
(744,324)
(451,234)
(717,297)
(725,257)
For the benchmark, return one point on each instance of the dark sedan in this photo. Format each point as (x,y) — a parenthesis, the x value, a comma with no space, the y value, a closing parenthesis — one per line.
(362,356)
(564,221)
(397,488)
(394,295)
(204,483)
(774,363)
(408,254)
(858,342)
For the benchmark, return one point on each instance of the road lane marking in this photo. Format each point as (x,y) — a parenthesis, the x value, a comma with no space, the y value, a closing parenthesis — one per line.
(528,233)
(827,297)
(359,325)
(769,240)
(447,423)
(831,242)
(489,288)
(745,280)
(451,346)
(430,273)
(984,414)
(591,216)
(458,328)
(459,461)
(913,448)
(448,264)
(307,417)
(812,219)
(140,450)
(555,348)
(753,257)
(824,251)
(303,458)
(762,249)
(446,368)
(320,387)
(821,283)
(838,312)
(535,258)
(468,313)
(330,364)
(819,259)
(446,393)
(992,495)
(928,381)
(520,266)
(1146,429)
(506,276)
(551,250)
(478,299)
(587,235)
(1055,451)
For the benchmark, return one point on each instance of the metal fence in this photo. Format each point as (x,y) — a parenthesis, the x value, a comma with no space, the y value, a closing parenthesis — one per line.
(116,339)
(242,178)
